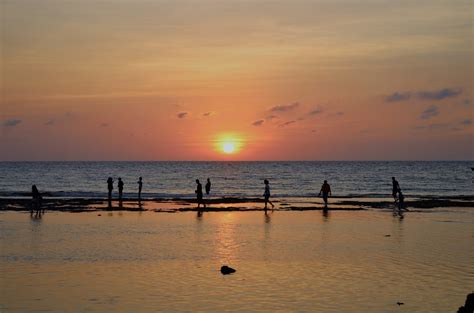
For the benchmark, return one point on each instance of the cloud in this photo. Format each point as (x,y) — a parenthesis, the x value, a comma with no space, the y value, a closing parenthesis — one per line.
(439,94)
(51,122)
(11,122)
(398,96)
(466,102)
(316,111)
(432,126)
(429,112)
(207,114)
(287,124)
(424,95)
(466,122)
(258,123)
(271,117)
(285,107)
(182,115)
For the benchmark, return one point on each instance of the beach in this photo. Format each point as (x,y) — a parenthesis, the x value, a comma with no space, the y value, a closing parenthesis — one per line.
(305,261)
(163,253)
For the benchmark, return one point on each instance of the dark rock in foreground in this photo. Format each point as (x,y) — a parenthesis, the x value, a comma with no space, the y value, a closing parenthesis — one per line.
(225,270)
(469,305)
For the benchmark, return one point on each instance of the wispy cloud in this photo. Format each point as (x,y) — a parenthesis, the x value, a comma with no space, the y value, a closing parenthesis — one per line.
(11,122)
(51,122)
(466,122)
(434,95)
(315,111)
(429,112)
(258,123)
(439,94)
(398,96)
(285,107)
(287,124)
(207,114)
(432,126)
(182,115)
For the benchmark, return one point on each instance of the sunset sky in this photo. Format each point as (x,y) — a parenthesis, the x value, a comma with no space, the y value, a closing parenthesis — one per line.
(278,80)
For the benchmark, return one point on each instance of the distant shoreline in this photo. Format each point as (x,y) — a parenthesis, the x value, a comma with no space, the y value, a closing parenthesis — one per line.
(230,204)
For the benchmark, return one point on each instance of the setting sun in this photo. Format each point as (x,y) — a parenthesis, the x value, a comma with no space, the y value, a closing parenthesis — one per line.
(228,143)
(228,147)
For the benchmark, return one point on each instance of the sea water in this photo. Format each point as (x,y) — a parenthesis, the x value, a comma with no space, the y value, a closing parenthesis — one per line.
(237,179)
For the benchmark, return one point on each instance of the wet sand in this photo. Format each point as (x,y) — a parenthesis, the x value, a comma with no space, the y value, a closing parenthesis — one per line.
(232,204)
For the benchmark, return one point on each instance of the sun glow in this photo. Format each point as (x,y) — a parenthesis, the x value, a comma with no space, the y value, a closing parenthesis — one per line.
(228,143)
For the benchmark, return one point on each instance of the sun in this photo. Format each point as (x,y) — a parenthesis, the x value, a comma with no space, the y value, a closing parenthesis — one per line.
(228,147)
(228,143)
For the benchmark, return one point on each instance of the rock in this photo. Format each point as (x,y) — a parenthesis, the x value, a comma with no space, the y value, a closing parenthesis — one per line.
(99,214)
(469,305)
(388,235)
(400,303)
(225,270)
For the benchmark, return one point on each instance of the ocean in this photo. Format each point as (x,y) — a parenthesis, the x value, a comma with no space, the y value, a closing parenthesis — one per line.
(238,179)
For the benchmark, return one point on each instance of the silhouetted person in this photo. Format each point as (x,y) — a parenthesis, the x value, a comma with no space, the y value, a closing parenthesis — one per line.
(120,188)
(199,194)
(266,194)
(401,203)
(208,186)
(140,185)
(110,187)
(36,200)
(395,189)
(325,191)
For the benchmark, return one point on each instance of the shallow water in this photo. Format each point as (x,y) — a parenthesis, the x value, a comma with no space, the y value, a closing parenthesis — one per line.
(285,261)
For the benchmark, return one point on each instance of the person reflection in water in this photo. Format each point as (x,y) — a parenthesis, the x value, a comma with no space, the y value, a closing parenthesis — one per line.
(36,201)
(110,187)
(325,191)
(199,194)
(266,194)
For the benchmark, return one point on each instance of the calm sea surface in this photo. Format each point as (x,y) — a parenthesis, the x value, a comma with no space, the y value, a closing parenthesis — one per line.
(363,261)
(239,179)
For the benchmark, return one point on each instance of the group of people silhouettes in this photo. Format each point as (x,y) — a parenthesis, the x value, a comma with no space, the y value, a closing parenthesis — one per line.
(325,192)
(120,184)
(199,194)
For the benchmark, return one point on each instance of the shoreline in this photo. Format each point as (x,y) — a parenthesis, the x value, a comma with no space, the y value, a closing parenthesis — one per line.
(173,205)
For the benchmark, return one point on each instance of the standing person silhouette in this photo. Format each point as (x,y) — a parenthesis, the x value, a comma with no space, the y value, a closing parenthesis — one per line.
(208,186)
(36,200)
(325,191)
(395,189)
(266,194)
(120,188)
(110,187)
(140,185)
(401,203)
(199,194)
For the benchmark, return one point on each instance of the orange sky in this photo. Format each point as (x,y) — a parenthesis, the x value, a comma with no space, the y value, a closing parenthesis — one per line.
(290,80)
